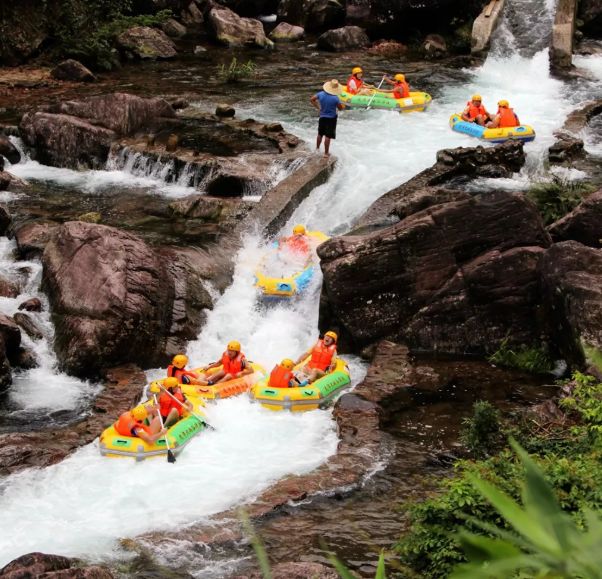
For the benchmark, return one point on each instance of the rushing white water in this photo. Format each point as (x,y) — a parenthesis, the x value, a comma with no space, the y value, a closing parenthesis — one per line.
(100,500)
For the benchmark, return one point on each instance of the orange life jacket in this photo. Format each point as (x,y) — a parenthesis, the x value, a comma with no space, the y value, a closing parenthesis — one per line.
(508,117)
(280,377)
(166,403)
(126,424)
(233,366)
(322,355)
(297,243)
(474,111)
(401,90)
(354,84)
(179,373)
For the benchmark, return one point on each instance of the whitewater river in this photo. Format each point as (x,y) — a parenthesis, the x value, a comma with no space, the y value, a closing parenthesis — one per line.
(83,505)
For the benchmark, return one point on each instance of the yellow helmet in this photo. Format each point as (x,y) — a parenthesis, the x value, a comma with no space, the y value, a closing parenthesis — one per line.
(234,345)
(503,103)
(332,335)
(287,363)
(299,230)
(180,360)
(476,97)
(356,70)
(400,77)
(140,413)
(171,382)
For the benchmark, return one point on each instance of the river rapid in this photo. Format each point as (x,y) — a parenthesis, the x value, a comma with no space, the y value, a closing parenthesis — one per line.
(85,504)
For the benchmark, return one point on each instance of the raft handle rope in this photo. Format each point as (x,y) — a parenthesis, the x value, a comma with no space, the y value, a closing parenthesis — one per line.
(372,98)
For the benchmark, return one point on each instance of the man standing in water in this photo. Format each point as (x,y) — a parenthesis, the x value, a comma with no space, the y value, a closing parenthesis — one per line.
(327,102)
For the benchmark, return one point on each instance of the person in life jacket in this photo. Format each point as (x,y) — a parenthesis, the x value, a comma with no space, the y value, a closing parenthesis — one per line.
(298,242)
(282,375)
(169,409)
(132,423)
(233,365)
(505,117)
(355,84)
(475,112)
(177,369)
(322,357)
(401,89)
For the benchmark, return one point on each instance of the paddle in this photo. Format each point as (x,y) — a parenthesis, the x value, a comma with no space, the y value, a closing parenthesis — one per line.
(372,97)
(170,455)
(187,409)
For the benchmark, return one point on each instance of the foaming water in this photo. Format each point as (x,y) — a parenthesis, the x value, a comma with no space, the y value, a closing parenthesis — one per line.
(95,501)
(40,391)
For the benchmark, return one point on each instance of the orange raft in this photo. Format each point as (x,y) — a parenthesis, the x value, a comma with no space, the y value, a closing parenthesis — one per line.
(222,389)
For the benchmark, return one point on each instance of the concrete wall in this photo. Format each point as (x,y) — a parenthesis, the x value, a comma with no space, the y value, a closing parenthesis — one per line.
(484,25)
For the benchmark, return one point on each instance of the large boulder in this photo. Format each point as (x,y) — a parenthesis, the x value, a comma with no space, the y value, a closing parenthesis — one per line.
(456,277)
(571,275)
(232,30)
(341,39)
(32,237)
(583,224)
(313,15)
(8,150)
(286,32)
(22,32)
(114,299)
(5,220)
(51,566)
(146,43)
(10,343)
(72,70)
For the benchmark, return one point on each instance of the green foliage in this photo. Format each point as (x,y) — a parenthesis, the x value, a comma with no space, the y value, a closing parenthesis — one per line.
(570,456)
(556,198)
(236,71)
(535,359)
(544,541)
(481,432)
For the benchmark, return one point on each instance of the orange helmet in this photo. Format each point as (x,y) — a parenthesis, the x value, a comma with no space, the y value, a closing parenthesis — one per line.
(400,77)
(140,413)
(356,70)
(287,363)
(171,382)
(234,345)
(332,335)
(180,360)
(476,97)
(503,103)
(299,229)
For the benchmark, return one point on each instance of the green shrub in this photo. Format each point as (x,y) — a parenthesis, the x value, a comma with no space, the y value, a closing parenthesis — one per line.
(236,71)
(556,198)
(535,359)
(481,432)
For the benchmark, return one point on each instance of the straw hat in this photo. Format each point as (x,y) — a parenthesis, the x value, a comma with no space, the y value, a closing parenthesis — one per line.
(332,87)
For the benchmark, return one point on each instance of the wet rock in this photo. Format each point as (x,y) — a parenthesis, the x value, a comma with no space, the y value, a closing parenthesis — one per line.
(583,224)
(225,110)
(579,119)
(72,70)
(33,236)
(456,277)
(146,43)
(388,49)
(52,567)
(173,28)
(5,180)
(434,46)
(31,305)
(115,299)
(342,39)
(90,217)
(484,26)
(232,30)
(179,103)
(313,15)
(122,388)
(563,35)
(8,288)
(286,32)
(566,148)
(10,335)
(590,12)
(273,127)
(5,219)
(295,571)
(8,150)
(571,278)
(26,359)
(451,163)
(192,16)
(26,323)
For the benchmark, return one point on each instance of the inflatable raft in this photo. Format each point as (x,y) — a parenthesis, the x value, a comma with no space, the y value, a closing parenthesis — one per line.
(221,390)
(287,286)
(114,445)
(417,101)
(520,133)
(310,397)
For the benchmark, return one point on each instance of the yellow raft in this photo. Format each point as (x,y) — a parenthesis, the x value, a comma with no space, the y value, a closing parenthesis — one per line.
(416,102)
(521,133)
(288,286)
(222,389)
(114,445)
(310,397)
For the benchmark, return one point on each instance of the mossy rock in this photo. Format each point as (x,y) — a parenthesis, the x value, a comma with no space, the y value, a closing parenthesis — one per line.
(90,217)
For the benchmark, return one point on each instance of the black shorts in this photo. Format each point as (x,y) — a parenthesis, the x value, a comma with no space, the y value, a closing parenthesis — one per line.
(327,127)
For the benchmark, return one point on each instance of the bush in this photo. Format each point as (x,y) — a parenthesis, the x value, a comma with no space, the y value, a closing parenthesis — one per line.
(481,433)
(535,359)
(556,198)
(236,71)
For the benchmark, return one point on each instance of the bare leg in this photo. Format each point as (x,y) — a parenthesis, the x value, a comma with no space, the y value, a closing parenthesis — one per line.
(326,146)
(319,141)
(172,418)
(315,374)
